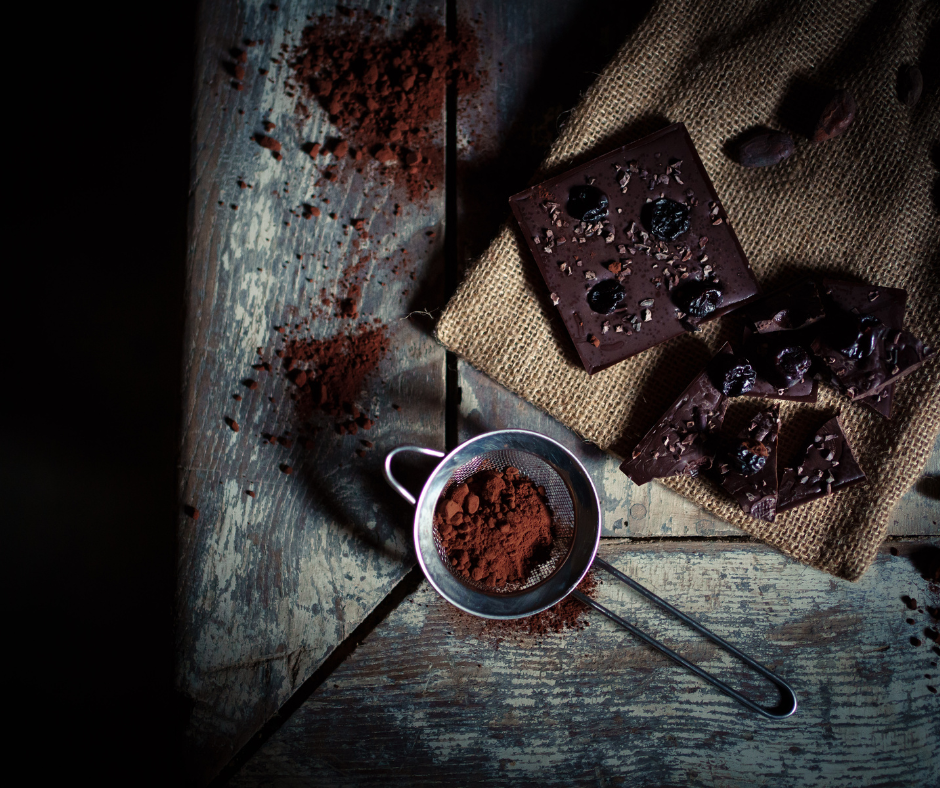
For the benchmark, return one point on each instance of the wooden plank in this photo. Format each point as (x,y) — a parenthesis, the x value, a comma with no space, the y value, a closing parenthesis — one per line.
(268,586)
(426,700)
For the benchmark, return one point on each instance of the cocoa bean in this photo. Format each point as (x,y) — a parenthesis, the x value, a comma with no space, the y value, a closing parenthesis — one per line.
(910,84)
(764,148)
(836,116)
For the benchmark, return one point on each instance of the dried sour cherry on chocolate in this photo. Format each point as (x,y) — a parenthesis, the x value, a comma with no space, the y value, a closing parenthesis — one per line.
(666,219)
(748,469)
(790,365)
(587,203)
(606,296)
(748,457)
(773,381)
(731,374)
(575,248)
(854,337)
(699,299)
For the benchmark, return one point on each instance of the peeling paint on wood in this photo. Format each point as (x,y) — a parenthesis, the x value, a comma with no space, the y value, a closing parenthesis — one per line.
(426,701)
(270,585)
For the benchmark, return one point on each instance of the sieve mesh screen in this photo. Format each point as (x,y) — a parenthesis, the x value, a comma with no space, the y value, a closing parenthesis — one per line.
(559,503)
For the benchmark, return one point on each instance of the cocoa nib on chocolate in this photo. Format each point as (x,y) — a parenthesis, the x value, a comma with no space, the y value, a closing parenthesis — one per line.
(789,309)
(681,443)
(747,467)
(828,466)
(864,355)
(886,303)
(635,247)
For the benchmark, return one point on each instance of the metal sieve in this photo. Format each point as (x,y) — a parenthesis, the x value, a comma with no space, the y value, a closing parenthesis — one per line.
(576,515)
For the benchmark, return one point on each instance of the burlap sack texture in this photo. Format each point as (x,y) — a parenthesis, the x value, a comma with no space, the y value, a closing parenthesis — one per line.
(860,206)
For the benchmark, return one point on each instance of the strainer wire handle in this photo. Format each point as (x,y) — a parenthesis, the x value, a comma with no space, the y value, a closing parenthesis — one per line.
(390,478)
(785,708)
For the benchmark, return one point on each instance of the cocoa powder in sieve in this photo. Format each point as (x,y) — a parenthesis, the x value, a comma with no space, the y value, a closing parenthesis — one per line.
(495,527)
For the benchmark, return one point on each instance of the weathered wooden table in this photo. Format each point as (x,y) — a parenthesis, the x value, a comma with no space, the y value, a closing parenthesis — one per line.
(277,591)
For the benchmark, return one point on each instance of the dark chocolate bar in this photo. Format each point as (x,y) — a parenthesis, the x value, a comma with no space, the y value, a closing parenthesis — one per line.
(634,247)
(681,441)
(828,466)
(747,467)
(790,309)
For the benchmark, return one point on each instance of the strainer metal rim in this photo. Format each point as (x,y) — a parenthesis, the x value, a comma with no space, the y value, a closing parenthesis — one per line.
(569,572)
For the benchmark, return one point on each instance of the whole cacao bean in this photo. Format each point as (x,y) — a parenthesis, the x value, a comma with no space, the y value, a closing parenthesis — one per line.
(836,116)
(764,148)
(910,84)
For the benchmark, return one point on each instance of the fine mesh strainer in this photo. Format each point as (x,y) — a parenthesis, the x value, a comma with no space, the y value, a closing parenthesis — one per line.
(576,516)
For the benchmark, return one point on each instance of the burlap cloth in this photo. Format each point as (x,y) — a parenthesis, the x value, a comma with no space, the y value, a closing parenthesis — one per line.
(860,206)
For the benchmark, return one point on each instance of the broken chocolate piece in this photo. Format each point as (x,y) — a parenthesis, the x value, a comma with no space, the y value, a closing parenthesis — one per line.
(864,355)
(885,303)
(774,355)
(828,466)
(749,470)
(619,246)
(680,443)
(790,309)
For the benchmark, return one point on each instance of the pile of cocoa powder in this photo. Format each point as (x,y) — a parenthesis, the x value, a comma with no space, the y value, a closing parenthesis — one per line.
(495,527)
(386,94)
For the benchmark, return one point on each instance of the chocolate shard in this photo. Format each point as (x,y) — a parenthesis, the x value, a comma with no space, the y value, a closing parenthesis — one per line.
(776,360)
(885,303)
(828,466)
(747,468)
(681,443)
(865,356)
(637,238)
(790,309)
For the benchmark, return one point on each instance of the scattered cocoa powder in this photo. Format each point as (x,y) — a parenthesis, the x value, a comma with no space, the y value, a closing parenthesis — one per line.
(387,94)
(335,369)
(567,614)
(495,527)
(267,142)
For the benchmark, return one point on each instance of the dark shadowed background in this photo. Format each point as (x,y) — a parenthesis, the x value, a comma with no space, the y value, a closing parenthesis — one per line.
(89,448)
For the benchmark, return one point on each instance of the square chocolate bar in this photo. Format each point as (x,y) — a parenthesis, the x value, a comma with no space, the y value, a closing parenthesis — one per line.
(634,247)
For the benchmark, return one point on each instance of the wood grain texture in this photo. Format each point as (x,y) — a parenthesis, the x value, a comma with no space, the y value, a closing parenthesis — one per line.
(427,700)
(268,586)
